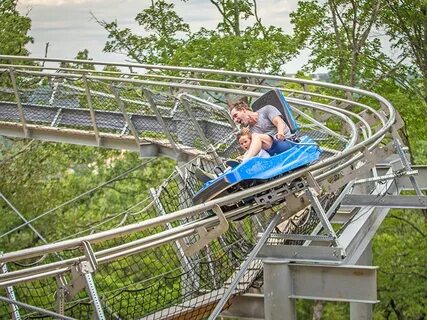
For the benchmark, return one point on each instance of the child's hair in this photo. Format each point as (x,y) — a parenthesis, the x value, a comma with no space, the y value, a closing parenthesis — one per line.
(243,132)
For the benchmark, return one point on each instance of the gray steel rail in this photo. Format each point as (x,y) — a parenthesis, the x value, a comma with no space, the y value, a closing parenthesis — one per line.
(351,153)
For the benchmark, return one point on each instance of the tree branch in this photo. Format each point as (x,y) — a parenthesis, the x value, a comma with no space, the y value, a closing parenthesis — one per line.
(409,223)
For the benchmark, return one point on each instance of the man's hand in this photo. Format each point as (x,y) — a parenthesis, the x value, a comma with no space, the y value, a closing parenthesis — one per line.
(280,136)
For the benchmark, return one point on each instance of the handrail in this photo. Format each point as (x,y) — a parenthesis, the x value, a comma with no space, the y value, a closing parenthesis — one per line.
(352,149)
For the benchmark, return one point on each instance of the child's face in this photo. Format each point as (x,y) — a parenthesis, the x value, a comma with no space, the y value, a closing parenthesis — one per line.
(245,142)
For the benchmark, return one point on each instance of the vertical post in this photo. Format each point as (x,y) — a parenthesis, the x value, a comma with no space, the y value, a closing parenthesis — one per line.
(11,294)
(150,100)
(92,112)
(362,311)
(277,290)
(86,269)
(407,165)
(126,116)
(322,216)
(18,102)
(91,290)
(202,135)
(60,294)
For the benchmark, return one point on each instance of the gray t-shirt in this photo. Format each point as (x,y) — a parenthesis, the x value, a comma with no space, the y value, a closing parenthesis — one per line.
(265,121)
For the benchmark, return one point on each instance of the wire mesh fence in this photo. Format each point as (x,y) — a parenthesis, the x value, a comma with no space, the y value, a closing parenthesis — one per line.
(157,279)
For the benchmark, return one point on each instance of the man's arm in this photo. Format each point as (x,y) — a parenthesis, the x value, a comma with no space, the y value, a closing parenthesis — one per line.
(281,126)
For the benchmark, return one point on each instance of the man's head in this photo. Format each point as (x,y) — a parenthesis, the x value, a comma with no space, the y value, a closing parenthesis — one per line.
(240,112)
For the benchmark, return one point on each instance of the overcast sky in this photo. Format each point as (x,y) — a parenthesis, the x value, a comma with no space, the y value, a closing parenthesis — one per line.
(68,26)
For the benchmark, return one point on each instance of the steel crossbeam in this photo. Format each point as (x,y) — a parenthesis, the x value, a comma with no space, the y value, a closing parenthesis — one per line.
(320,270)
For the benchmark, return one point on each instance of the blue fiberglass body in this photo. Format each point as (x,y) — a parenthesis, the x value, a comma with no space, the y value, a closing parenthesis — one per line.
(302,153)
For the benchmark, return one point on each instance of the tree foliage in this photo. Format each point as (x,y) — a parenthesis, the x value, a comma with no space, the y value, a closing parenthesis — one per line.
(231,46)
(13,29)
(399,249)
(405,23)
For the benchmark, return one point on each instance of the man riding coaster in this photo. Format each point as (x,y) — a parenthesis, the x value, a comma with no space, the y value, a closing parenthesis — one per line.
(267,128)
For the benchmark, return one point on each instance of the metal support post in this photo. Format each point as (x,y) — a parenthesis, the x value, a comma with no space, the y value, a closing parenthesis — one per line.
(61,294)
(82,278)
(211,150)
(148,96)
(92,112)
(125,115)
(11,294)
(91,290)
(52,96)
(18,102)
(407,165)
(278,290)
(362,311)
(322,217)
(331,210)
(83,272)
(218,308)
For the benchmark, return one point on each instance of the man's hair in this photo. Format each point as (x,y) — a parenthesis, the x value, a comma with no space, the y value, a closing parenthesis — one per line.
(243,132)
(238,105)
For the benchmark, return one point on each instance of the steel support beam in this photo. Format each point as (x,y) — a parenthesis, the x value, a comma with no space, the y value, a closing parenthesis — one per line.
(284,282)
(147,148)
(92,111)
(18,103)
(278,290)
(360,231)
(385,201)
(362,311)
(298,253)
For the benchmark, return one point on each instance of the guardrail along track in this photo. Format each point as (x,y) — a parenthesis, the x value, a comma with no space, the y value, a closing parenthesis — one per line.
(139,267)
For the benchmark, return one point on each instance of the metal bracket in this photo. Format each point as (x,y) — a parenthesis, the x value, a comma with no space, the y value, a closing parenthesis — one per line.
(371,158)
(407,165)
(90,255)
(205,236)
(274,195)
(77,283)
(82,278)
(323,218)
(79,270)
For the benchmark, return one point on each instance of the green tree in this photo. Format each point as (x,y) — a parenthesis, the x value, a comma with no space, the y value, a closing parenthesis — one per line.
(163,25)
(405,22)
(339,34)
(343,36)
(399,249)
(13,29)
(230,46)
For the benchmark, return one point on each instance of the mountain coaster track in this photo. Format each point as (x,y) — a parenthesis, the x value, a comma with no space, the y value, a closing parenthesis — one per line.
(176,260)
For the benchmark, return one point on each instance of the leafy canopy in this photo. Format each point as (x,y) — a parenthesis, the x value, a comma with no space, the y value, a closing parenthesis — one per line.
(231,46)
(13,29)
